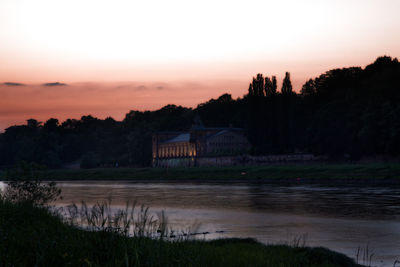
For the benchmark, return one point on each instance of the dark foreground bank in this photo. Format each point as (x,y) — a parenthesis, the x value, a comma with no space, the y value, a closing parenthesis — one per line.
(367,174)
(32,236)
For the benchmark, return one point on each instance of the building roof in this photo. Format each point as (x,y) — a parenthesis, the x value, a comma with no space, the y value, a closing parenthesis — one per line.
(185,137)
(169,132)
(226,130)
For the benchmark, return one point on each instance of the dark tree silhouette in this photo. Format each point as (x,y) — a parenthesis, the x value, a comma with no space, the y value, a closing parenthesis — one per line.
(345,113)
(287,85)
(33,124)
(308,88)
(268,87)
(274,85)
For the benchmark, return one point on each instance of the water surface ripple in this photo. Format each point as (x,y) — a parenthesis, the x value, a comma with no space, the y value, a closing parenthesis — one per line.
(341,218)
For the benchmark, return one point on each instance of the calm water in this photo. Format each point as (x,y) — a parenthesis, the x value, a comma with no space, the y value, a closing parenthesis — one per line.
(340,218)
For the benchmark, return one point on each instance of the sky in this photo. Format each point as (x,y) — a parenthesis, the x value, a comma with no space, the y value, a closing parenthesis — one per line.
(68,58)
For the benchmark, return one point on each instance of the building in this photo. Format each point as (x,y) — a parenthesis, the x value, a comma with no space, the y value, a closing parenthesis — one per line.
(198,146)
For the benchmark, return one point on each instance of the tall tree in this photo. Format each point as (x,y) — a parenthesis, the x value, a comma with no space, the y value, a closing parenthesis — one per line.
(287,85)
(274,85)
(258,85)
(268,87)
(251,90)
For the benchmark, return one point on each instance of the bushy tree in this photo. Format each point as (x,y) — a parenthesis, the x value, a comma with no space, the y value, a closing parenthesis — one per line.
(308,88)
(24,184)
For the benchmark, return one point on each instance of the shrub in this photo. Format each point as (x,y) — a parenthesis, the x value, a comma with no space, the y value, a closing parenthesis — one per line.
(24,184)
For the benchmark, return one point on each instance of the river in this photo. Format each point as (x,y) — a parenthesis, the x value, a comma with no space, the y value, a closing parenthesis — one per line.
(346,219)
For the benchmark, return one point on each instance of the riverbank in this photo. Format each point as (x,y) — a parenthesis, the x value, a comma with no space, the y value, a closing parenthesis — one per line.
(367,174)
(47,241)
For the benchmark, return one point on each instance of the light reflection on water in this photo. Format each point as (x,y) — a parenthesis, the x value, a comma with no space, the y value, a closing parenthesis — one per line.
(338,202)
(340,218)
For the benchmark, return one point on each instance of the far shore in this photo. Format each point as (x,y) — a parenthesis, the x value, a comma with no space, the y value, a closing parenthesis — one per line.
(360,174)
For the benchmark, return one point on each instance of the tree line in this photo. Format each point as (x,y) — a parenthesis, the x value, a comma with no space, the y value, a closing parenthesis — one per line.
(344,113)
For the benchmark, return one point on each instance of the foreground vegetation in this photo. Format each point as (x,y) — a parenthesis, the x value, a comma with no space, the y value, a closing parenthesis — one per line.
(34,236)
(32,233)
(310,173)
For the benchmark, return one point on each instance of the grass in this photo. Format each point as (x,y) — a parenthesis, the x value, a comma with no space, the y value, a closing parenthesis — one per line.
(312,173)
(34,236)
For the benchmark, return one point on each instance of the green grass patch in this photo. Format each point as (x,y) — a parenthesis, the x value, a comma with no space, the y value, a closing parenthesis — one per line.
(32,236)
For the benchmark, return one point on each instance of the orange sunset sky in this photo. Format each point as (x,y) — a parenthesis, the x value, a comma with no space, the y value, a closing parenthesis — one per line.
(112,56)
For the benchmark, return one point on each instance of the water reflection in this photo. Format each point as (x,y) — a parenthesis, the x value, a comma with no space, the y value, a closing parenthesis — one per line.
(340,218)
(343,202)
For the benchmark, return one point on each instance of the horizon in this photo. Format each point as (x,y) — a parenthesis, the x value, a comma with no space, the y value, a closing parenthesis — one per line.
(129,87)
(113,57)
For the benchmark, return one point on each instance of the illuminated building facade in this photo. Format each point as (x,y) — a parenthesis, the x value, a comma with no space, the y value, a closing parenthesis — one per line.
(184,148)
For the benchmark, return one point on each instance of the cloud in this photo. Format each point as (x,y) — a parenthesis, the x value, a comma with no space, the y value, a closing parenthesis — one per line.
(13,84)
(54,84)
(141,87)
(138,86)
(131,86)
